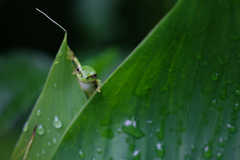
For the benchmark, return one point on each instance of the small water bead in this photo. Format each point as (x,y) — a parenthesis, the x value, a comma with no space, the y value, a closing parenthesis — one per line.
(220,142)
(230,81)
(214,76)
(81,155)
(99,151)
(193,148)
(40,130)
(208,89)
(57,123)
(119,130)
(214,102)
(39,112)
(231,128)
(38,155)
(49,144)
(56,62)
(219,155)
(149,121)
(207,151)
(131,127)
(238,92)
(60,53)
(236,107)
(54,140)
(160,150)
(55,85)
(43,151)
(198,55)
(25,127)
(136,155)
(160,133)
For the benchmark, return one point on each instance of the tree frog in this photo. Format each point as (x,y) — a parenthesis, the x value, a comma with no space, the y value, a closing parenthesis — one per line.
(86,75)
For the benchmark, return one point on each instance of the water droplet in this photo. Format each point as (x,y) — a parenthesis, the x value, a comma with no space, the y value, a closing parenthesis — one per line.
(160,150)
(43,151)
(219,155)
(160,131)
(39,112)
(40,130)
(55,85)
(49,144)
(48,131)
(136,155)
(81,155)
(107,132)
(193,148)
(198,55)
(38,155)
(131,127)
(60,53)
(223,94)
(220,142)
(54,140)
(207,151)
(231,128)
(119,130)
(57,123)
(236,107)
(208,89)
(99,151)
(230,81)
(238,92)
(149,121)
(214,102)
(105,121)
(131,143)
(25,127)
(214,76)
(56,62)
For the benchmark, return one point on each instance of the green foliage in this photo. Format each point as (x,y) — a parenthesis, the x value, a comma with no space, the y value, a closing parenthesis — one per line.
(175,97)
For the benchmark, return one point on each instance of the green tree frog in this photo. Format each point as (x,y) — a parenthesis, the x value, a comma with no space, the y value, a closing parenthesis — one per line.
(86,75)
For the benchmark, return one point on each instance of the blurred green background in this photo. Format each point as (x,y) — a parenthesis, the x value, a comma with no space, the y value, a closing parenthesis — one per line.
(102,33)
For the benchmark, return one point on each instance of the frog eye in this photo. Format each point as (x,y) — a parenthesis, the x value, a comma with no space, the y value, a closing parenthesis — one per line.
(94,76)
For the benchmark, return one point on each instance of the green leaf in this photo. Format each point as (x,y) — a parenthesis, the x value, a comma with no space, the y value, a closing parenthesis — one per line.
(59,102)
(165,101)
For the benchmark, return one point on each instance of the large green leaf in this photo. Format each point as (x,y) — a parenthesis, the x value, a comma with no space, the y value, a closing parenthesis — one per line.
(56,107)
(175,97)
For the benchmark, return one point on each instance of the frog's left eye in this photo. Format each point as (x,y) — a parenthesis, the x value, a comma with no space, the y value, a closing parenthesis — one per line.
(79,72)
(94,76)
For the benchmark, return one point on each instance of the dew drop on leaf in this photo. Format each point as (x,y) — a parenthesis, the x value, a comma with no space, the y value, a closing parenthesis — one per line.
(43,151)
(40,130)
(220,142)
(214,76)
(99,151)
(207,151)
(38,155)
(214,102)
(219,155)
(160,150)
(236,107)
(136,155)
(131,127)
(81,155)
(193,148)
(57,123)
(49,144)
(231,128)
(55,85)
(39,112)
(25,127)
(54,140)
(238,92)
